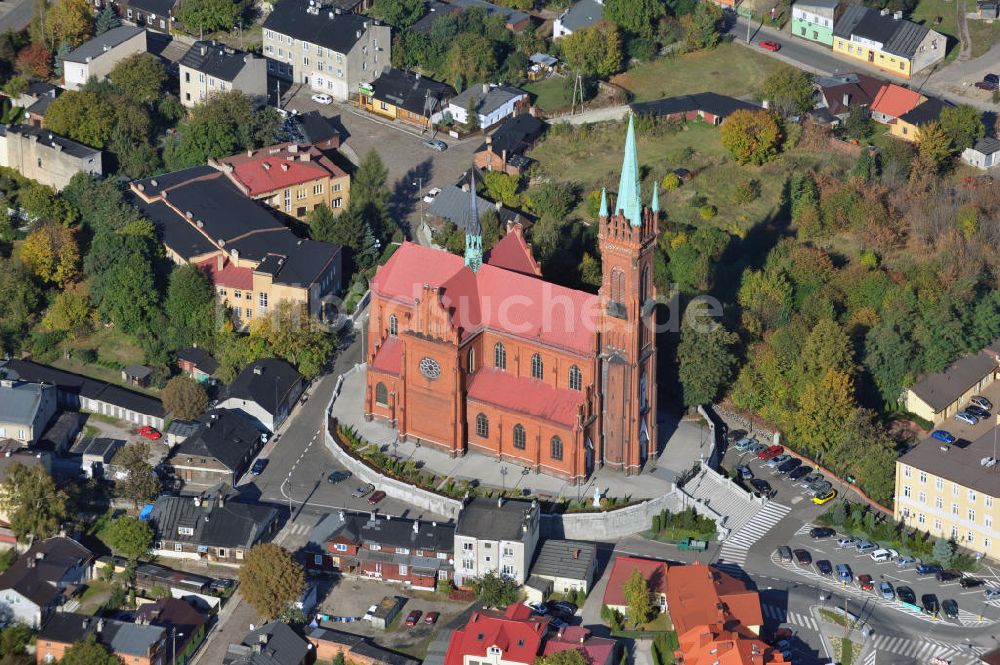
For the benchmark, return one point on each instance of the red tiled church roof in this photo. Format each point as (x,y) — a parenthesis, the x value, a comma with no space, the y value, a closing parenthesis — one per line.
(513,253)
(389,358)
(524,395)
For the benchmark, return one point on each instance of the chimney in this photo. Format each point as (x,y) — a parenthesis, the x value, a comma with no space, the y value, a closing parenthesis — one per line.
(204,49)
(262,638)
(84,623)
(416,527)
(100,625)
(258,370)
(847,99)
(898,15)
(884,12)
(222,500)
(197,502)
(220,262)
(284,167)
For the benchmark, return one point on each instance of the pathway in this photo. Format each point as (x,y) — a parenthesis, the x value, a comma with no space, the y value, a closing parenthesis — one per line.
(734,549)
(962,27)
(724,498)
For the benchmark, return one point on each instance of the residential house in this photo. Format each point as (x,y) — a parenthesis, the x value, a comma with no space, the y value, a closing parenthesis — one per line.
(318,130)
(95,454)
(490,103)
(271,644)
(210,527)
(814,19)
(505,149)
(35,101)
(358,649)
(985,154)
(220,450)
(154,15)
(25,410)
(184,624)
(148,576)
(887,41)
(581,15)
(841,93)
(699,594)
(497,536)
(178,431)
(708,644)
(515,20)
(136,376)
(705,106)
(652,570)
(893,101)
(938,396)
(412,552)
(97,57)
(197,363)
(568,564)
(406,96)
(291,177)
(254,261)
(266,390)
(435,10)
(988,9)
(907,126)
(43,578)
(46,157)
(595,650)
(133,643)
(208,67)
(330,50)
(76,392)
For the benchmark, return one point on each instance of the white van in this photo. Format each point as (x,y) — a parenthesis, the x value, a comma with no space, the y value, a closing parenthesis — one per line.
(881,555)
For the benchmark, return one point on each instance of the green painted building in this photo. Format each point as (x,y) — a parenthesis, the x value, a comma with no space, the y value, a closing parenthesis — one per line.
(814,19)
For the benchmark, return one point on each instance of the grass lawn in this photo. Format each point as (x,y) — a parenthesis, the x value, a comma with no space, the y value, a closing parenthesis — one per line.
(114,349)
(94,597)
(929,12)
(983,34)
(551,93)
(728,69)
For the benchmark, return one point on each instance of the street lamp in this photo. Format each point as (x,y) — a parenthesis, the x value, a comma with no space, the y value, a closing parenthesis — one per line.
(420,187)
(503,478)
(173,651)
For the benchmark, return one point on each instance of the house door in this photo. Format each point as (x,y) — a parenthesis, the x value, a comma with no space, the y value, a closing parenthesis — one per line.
(871,56)
(589,456)
(815,36)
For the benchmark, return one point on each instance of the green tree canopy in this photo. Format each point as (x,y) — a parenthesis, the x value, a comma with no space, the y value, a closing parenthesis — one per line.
(139,484)
(636,17)
(398,13)
(706,362)
(82,116)
(270,579)
(963,125)
(128,536)
(122,283)
(185,398)
(35,506)
(199,16)
(190,308)
(637,598)
(565,657)
(752,137)
(89,652)
(789,90)
(493,590)
(595,51)
(140,77)
(106,19)
(934,145)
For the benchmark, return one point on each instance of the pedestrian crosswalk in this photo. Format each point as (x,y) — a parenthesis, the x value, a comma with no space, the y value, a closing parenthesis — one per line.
(923,650)
(734,549)
(780,615)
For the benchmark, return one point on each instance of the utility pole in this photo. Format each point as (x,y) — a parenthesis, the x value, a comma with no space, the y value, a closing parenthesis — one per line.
(749,21)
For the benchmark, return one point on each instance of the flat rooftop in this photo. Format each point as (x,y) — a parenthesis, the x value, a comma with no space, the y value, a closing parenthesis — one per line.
(962,463)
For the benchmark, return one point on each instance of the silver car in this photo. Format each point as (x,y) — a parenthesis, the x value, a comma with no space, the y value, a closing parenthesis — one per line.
(821,487)
(778,461)
(436,144)
(810,479)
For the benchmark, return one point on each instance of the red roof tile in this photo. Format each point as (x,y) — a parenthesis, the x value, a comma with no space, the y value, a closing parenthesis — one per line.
(654,571)
(529,396)
(713,645)
(279,166)
(389,358)
(230,276)
(596,650)
(493,298)
(893,100)
(698,594)
(513,253)
(519,638)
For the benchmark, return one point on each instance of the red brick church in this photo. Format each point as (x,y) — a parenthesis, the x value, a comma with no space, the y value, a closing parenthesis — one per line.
(481,353)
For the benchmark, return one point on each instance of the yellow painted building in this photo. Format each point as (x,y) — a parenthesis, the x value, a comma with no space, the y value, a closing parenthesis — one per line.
(406,96)
(938,396)
(907,126)
(887,41)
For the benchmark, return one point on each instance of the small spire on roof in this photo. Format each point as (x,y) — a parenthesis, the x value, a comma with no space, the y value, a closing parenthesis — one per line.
(655,204)
(473,230)
(604,203)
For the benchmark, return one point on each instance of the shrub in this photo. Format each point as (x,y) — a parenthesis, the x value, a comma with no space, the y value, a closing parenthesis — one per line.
(869,259)
(671,181)
(747,191)
(707,212)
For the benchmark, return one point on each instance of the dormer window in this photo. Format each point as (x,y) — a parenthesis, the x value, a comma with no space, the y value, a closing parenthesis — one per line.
(185,531)
(495,651)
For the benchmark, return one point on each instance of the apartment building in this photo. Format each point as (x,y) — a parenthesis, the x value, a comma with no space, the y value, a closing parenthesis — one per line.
(208,67)
(334,52)
(814,19)
(97,57)
(253,259)
(45,157)
(495,536)
(291,177)
(952,492)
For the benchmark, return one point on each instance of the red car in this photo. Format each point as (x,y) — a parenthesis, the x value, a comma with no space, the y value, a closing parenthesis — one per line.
(150,433)
(431,617)
(413,617)
(770,45)
(865,582)
(768,453)
(376,497)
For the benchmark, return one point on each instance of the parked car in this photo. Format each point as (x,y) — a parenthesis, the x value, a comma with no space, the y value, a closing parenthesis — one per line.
(904,561)
(945,576)
(979,400)
(821,487)
(150,433)
(338,477)
(823,567)
(221,585)
(735,435)
(991,594)
(866,582)
(770,45)
(803,557)
(866,546)
(950,608)
(413,617)
(376,497)
(881,555)
(431,617)
(431,195)
(762,486)
(258,466)
(537,608)
(943,436)
(971,582)
(436,144)
(564,607)
(906,595)
(770,452)
(818,532)
(989,83)
(978,411)
(966,417)
(930,603)
(829,495)
(745,443)
(778,460)
(320,98)
(928,568)
(885,588)
(745,472)
(789,465)
(800,472)
(848,541)
(784,553)
(756,447)
(810,479)
(363,490)
(844,573)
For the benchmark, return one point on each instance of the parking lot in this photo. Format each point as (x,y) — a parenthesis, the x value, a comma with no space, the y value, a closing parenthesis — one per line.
(783,488)
(966,432)
(973,608)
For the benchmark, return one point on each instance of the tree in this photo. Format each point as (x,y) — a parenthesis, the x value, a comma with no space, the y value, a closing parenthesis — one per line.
(637,598)
(35,506)
(751,137)
(789,90)
(865,166)
(19,303)
(208,15)
(290,333)
(190,308)
(128,536)
(565,657)
(636,17)
(943,552)
(494,590)
(934,145)
(122,284)
(83,116)
(370,198)
(42,203)
(858,124)
(70,312)
(51,253)
(270,579)
(60,58)
(139,483)
(70,21)
(594,51)
(341,229)
(502,187)
(34,61)
(706,362)
(400,14)
(471,58)
(550,199)
(702,26)
(106,20)
(825,409)
(99,202)
(140,77)
(963,125)
(89,652)
(185,398)
(224,123)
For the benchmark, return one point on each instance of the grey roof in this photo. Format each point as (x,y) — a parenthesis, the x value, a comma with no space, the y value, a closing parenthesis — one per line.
(435,10)
(927,111)
(338,32)
(452,204)
(316,128)
(569,559)
(987,145)
(28,457)
(225,435)
(20,401)
(137,371)
(897,36)
(52,140)
(396,531)
(411,91)
(940,389)
(483,518)
(36,573)
(279,645)
(516,135)
(200,358)
(268,382)
(582,15)
(98,447)
(182,427)
(215,60)
(511,16)
(487,98)
(59,433)
(961,464)
(121,637)
(825,5)
(543,59)
(710,102)
(102,43)
(232,525)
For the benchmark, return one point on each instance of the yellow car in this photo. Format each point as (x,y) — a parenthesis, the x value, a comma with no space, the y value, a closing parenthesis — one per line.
(824,498)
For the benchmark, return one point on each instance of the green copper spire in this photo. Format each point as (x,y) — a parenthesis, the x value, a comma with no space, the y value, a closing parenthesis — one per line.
(604,203)
(655,205)
(629,200)
(473,230)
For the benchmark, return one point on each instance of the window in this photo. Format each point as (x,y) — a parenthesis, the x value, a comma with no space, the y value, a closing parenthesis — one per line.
(185,530)
(239,554)
(937,525)
(938,484)
(954,509)
(468,564)
(922,497)
(939,503)
(923,477)
(263,301)
(381,394)
(337,202)
(305,61)
(305,46)
(340,547)
(317,559)
(921,519)
(537,367)
(393,325)
(222,292)
(237,294)
(907,471)
(988,521)
(499,356)
(300,193)
(336,186)
(288,200)
(575,378)
(972,496)
(471,360)
(223,552)
(403,569)
(249,295)
(508,550)
(178,547)
(972,515)
(482,426)
(317,188)
(954,489)
(384,106)
(403,550)
(519,437)
(467,547)
(556,448)
(988,500)
(248,312)
(906,491)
